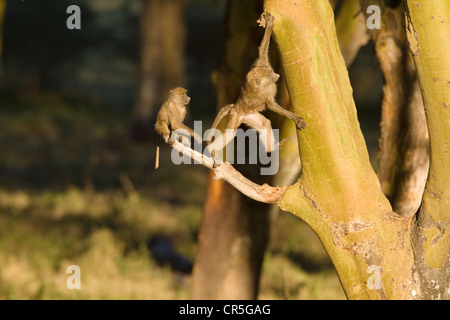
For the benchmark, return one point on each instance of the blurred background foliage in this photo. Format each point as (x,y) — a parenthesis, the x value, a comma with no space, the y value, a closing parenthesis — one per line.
(76,189)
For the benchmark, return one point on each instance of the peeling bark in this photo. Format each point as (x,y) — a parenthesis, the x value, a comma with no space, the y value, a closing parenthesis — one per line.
(403,157)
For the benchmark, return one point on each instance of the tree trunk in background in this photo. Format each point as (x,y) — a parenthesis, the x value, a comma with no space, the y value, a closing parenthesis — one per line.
(233,237)
(351,29)
(234,230)
(428,33)
(162,61)
(2,16)
(403,157)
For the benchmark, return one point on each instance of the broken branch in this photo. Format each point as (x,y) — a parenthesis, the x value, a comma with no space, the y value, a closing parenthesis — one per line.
(225,171)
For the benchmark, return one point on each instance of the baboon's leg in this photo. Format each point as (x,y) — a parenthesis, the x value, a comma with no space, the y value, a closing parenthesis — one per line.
(224,111)
(162,128)
(264,127)
(230,131)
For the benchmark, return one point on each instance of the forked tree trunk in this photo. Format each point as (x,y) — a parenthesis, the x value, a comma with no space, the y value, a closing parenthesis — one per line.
(162,60)
(403,157)
(234,230)
(377,253)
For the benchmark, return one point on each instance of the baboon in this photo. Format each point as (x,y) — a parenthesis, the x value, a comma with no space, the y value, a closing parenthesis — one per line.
(257,94)
(171,116)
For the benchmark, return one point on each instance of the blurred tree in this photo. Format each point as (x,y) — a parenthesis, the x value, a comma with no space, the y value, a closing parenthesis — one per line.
(235,229)
(162,61)
(377,253)
(2,15)
(350,29)
(37,42)
(403,157)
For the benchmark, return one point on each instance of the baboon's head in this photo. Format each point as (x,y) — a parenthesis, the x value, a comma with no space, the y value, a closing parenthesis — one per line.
(263,79)
(179,96)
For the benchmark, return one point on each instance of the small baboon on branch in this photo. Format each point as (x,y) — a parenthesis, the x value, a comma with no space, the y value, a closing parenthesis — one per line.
(171,116)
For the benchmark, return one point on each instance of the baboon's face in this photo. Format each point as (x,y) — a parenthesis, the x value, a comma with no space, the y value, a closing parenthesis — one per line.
(263,80)
(262,77)
(179,96)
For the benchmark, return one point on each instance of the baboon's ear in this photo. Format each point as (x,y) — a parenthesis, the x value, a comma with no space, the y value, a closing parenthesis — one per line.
(171,95)
(257,82)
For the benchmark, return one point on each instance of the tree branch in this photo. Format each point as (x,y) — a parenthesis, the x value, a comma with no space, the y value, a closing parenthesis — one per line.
(225,171)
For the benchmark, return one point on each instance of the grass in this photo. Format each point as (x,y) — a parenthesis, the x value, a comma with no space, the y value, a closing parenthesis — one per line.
(75,190)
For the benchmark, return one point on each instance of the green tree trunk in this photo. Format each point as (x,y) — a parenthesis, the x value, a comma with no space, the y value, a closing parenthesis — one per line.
(428,31)
(377,253)
(352,35)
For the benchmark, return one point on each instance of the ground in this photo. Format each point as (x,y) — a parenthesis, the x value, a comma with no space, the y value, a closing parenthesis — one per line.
(75,190)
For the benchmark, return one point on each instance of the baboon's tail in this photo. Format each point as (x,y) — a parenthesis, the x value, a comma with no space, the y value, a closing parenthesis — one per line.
(157,152)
